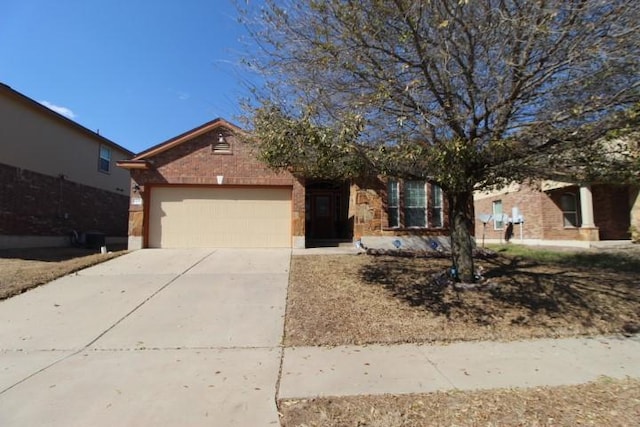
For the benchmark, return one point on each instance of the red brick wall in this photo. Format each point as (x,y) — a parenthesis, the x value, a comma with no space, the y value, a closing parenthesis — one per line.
(543,214)
(33,204)
(194,162)
(554,228)
(612,211)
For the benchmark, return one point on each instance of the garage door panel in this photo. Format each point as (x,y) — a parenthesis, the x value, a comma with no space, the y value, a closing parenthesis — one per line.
(220,217)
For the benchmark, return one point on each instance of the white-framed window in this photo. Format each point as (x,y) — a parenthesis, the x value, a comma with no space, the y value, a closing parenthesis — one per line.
(104,159)
(415,204)
(436,206)
(498,217)
(408,205)
(569,207)
(393,203)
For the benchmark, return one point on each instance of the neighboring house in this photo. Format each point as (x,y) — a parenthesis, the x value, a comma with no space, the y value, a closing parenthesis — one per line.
(559,213)
(206,188)
(56,177)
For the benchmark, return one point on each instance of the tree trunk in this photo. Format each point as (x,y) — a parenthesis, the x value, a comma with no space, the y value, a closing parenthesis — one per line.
(461,220)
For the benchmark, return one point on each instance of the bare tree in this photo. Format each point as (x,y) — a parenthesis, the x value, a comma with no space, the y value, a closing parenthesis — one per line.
(470,94)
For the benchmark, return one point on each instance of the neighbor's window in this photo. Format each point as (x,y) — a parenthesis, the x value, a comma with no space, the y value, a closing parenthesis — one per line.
(415,204)
(436,206)
(393,204)
(104,162)
(498,218)
(569,210)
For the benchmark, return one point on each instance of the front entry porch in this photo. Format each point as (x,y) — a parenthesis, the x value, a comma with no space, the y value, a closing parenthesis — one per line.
(327,213)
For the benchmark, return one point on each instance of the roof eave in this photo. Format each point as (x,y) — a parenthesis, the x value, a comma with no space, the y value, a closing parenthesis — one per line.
(134,164)
(173,142)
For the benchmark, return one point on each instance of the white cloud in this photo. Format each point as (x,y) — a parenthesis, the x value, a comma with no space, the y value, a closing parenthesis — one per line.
(58,109)
(180,95)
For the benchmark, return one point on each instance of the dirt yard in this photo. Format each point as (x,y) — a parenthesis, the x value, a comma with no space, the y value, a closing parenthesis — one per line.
(364,299)
(605,402)
(24,269)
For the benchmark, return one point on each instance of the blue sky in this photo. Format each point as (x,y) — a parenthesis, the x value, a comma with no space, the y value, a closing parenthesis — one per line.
(140,71)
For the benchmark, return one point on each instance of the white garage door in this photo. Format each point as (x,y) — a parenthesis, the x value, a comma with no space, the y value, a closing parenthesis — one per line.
(187,217)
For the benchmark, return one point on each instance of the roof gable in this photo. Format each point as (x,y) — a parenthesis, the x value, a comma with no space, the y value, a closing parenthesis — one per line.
(185,137)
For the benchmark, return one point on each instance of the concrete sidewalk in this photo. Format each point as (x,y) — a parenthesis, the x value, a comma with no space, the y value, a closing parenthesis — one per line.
(408,368)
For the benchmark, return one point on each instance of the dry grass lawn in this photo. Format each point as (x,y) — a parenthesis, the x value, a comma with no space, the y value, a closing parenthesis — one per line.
(336,300)
(342,299)
(602,403)
(24,269)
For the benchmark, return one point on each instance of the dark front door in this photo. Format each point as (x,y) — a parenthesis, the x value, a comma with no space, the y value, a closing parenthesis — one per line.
(323,218)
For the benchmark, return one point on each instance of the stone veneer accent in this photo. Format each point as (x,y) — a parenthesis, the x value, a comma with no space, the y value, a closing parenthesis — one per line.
(368,208)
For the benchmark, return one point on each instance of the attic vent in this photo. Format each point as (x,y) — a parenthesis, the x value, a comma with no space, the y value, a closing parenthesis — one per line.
(221,145)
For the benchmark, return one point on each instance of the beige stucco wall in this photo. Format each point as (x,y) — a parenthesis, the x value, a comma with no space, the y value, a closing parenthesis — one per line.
(511,188)
(42,142)
(545,185)
(549,185)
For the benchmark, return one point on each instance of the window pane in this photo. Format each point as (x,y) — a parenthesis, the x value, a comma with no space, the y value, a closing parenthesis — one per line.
(105,153)
(569,210)
(392,201)
(104,162)
(414,194)
(414,204)
(414,217)
(394,220)
(104,165)
(436,217)
(392,192)
(497,207)
(568,202)
(570,219)
(436,206)
(436,196)
(498,222)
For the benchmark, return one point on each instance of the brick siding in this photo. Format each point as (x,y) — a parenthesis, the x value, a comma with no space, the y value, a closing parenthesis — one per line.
(543,214)
(33,204)
(194,163)
(613,213)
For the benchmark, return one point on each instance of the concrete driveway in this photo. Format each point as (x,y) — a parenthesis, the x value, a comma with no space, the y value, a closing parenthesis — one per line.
(155,337)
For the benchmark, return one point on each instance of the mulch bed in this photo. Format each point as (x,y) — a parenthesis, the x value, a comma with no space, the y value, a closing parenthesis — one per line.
(478,253)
